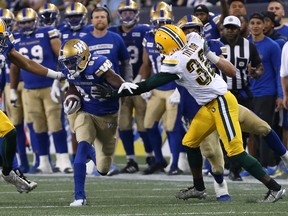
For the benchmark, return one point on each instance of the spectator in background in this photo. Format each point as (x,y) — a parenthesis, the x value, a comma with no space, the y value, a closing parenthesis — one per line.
(244,55)
(266,90)
(278,7)
(210,22)
(111,4)
(237,7)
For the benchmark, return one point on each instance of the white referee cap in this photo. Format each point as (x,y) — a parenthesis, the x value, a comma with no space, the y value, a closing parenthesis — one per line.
(232,20)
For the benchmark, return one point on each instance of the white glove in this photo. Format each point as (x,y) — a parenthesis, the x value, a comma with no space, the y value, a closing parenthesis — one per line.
(55,91)
(71,107)
(175,97)
(65,86)
(129,86)
(55,74)
(13,97)
(146,95)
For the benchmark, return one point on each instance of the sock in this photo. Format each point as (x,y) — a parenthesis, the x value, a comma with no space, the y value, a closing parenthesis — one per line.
(21,145)
(156,142)
(273,185)
(33,143)
(60,141)
(274,142)
(80,169)
(43,140)
(8,151)
(91,154)
(194,157)
(199,184)
(147,145)
(249,163)
(218,177)
(175,143)
(127,138)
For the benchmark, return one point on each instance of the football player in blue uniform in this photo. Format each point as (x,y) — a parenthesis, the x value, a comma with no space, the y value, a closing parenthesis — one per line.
(162,102)
(7,130)
(74,26)
(96,119)
(132,34)
(15,114)
(104,42)
(42,45)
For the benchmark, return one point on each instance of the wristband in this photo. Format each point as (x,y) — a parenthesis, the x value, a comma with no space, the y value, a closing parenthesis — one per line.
(212,57)
(52,74)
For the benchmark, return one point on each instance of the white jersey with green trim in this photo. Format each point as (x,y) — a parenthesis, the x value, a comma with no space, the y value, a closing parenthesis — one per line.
(193,69)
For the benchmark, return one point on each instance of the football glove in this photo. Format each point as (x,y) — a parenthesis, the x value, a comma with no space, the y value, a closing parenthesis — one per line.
(174,98)
(129,86)
(71,107)
(146,95)
(13,97)
(103,91)
(55,91)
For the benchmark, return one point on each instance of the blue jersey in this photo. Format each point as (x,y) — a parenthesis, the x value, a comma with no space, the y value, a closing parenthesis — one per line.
(5,63)
(85,83)
(111,45)
(210,28)
(133,41)
(155,59)
(269,83)
(37,47)
(283,30)
(67,33)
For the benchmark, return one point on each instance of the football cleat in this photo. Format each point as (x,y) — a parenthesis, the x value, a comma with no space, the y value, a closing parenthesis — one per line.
(155,168)
(274,196)
(191,192)
(21,183)
(175,171)
(131,167)
(79,202)
(221,191)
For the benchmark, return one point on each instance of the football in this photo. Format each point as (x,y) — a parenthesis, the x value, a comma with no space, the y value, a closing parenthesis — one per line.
(72,94)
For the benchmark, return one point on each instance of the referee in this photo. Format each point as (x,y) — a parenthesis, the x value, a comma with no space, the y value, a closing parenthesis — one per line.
(244,56)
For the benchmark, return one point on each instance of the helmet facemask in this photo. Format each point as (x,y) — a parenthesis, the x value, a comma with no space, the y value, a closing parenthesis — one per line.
(3,40)
(48,18)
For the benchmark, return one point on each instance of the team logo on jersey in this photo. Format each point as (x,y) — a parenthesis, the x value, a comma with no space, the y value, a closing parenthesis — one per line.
(149,44)
(136,34)
(39,35)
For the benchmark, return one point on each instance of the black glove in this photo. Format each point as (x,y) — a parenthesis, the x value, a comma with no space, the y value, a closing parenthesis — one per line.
(103,91)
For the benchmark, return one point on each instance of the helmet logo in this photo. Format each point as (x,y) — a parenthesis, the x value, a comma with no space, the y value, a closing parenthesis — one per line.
(80,46)
(159,47)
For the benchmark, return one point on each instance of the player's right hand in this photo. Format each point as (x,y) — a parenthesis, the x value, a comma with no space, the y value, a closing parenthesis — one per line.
(13,97)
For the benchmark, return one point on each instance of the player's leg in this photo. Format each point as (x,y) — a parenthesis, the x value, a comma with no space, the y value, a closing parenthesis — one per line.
(126,134)
(225,112)
(55,119)
(85,134)
(154,112)
(15,177)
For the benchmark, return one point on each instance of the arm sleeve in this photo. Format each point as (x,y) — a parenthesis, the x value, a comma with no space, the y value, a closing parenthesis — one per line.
(151,83)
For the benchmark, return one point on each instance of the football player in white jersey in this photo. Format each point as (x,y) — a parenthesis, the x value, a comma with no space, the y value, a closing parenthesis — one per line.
(188,65)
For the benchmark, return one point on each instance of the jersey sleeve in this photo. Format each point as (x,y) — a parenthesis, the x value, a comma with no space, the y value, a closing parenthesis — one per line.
(170,65)
(104,65)
(284,61)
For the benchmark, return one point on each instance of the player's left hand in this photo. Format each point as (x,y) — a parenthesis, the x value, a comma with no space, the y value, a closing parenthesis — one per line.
(103,91)
(175,97)
(129,86)
(55,91)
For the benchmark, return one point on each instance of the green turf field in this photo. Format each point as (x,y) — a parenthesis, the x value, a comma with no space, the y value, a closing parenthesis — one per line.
(134,195)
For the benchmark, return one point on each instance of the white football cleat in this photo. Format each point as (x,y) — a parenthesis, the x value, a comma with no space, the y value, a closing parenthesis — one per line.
(221,191)
(79,202)
(21,183)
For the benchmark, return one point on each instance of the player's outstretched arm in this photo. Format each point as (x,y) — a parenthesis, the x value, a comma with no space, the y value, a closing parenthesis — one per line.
(144,86)
(32,66)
